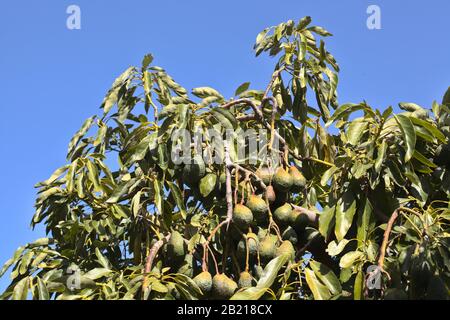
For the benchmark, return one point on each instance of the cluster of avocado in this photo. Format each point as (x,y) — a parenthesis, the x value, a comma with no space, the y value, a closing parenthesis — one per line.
(251,214)
(219,286)
(282,180)
(266,245)
(279,184)
(254,214)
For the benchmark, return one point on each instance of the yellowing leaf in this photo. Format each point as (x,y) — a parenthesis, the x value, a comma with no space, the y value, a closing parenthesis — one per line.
(327,276)
(349,258)
(319,290)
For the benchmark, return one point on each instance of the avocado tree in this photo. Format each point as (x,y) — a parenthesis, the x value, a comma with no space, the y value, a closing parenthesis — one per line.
(351,203)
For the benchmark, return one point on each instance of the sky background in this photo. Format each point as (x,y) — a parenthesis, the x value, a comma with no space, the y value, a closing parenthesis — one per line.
(52,78)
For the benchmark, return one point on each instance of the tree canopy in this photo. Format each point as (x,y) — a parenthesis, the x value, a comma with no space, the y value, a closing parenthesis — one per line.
(353,202)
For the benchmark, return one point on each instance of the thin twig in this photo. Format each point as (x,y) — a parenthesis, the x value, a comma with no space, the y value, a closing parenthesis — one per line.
(206,243)
(380,267)
(250,173)
(214,260)
(229,199)
(387,232)
(246,117)
(229,196)
(258,114)
(272,80)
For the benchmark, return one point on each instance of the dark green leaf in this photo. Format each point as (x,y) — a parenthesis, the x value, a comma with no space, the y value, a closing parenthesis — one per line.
(243,87)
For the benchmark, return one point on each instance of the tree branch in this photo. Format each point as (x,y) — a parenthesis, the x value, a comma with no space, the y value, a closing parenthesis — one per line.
(151,256)
(229,199)
(248,172)
(229,196)
(387,232)
(272,80)
(258,114)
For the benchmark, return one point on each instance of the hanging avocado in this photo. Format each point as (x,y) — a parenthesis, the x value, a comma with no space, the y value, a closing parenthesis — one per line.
(299,221)
(265,174)
(258,271)
(282,180)
(223,287)
(245,280)
(194,171)
(242,216)
(298,180)
(258,207)
(287,248)
(253,242)
(176,248)
(204,282)
(282,215)
(267,248)
(137,248)
(290,235)
(270,194)
(222,184)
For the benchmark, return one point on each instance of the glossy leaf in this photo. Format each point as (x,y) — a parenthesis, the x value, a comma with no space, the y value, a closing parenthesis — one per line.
(327,221)
(345,210)
(271,271)
(327,277)
(335,248)
(252,293)
(409,135)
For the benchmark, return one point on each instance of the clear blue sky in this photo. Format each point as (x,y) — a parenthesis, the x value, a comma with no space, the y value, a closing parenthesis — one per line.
(53,78)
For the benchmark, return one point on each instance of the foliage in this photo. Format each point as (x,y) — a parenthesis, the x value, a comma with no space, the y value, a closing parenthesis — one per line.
(375,192)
